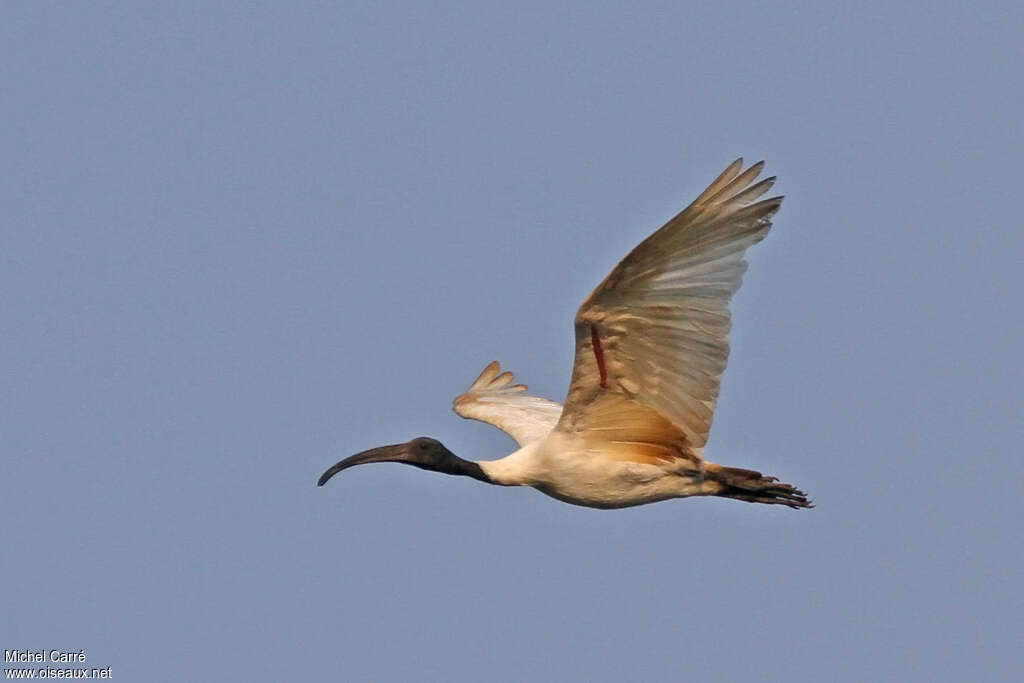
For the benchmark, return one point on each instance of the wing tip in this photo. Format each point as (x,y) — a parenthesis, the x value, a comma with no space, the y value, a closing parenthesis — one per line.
(735,186)
(494,379)
(488,374)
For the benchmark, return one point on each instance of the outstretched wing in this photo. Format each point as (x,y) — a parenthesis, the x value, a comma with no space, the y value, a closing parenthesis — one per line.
(655,332)
(492,398)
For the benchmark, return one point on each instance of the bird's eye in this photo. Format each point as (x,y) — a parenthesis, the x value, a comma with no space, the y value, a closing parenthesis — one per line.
(423,445)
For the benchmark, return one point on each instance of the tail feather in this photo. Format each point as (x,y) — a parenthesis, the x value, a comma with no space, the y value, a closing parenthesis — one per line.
(754,487)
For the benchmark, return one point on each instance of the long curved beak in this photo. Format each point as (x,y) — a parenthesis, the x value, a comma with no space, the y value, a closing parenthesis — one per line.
(396,453)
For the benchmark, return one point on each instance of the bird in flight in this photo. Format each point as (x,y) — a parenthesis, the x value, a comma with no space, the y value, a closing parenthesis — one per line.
(652,343)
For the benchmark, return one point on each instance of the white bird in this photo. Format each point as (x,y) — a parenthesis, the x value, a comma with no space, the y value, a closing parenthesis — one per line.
(652,343)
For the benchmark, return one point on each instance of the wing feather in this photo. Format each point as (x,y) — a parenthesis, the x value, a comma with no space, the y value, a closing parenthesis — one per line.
(662,315)
(492,398)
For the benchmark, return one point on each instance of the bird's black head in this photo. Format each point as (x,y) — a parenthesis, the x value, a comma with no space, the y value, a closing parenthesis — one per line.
(422,452)
(426,453)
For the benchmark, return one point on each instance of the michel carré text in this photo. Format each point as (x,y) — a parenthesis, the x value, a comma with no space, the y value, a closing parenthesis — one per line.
(43,656)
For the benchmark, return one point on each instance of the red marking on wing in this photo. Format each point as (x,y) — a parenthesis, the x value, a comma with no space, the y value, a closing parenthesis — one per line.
(599,356)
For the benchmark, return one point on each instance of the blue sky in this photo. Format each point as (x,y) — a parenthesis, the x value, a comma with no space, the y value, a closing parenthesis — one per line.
(243,241)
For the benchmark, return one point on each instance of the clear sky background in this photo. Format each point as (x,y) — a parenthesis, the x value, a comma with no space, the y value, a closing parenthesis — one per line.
(241,242)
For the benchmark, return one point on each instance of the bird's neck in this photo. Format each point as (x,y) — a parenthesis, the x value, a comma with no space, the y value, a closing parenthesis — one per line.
(465,468)
(517,469)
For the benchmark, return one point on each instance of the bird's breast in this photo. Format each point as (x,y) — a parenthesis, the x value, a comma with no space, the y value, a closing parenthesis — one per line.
(593,475)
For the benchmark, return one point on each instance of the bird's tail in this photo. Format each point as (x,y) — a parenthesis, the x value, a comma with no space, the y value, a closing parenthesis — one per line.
(754,487)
